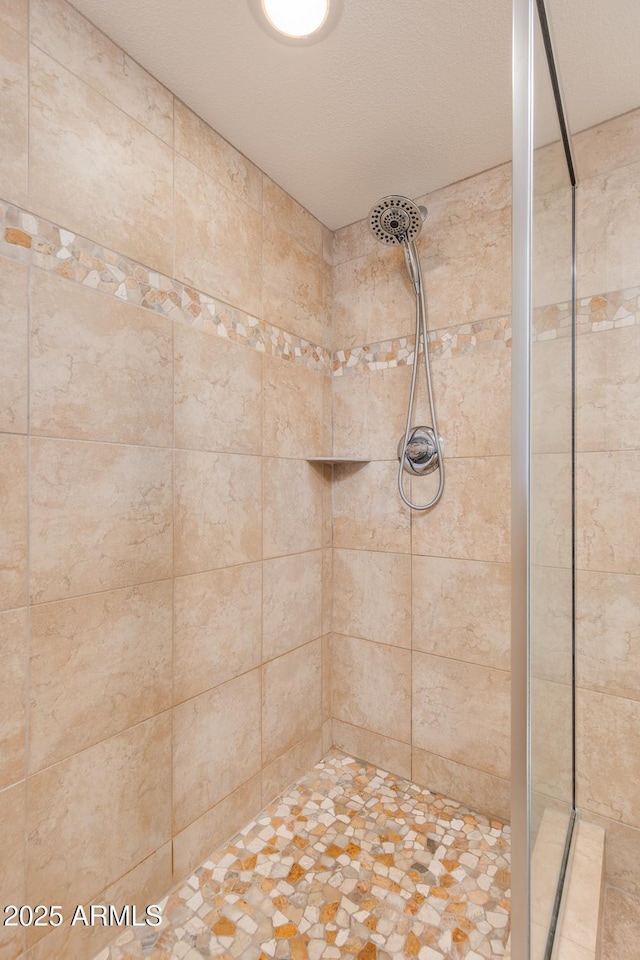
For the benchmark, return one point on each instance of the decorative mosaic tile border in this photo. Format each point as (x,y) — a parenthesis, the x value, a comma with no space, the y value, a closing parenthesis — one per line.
(607,311)
(466,338)
(42,244)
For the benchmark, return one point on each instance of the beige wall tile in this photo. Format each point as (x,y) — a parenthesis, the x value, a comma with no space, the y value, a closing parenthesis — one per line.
(622,852)
(608,633)
(372,298)
(14,636)
(58,29)
(551,495)
(462,609)
(292,602)
(15,13)
(326,474)
(217,512)
(371,686)
(354,240)
(471,522)
(216,746)
(14,106)
(98,665)
(372,596)
(608,145)
(13,346)
(468,199)
(100,517)
(608,755)
(90,142)
(551,392)
(218,239)
(296,761)
(467,268)
(608,231)
(327,736)
(216,157)
(473,404)
(391,755)
(476,789)
(551,739)
(327,590)
(292,279)
(608,522)
(292,507)
(13,521)
(327,301)
(368,513)
(370,413)
(100,369)
(12,865)
(552,241)
(620,925)
(147,883)
(98,814)
(326,678)
(550,168)
(327,245)
(217,628)
(294,410)
(281,209)
(551,623)
(197,841)
(461,712)
(608,388)
(291,699)
(218,393)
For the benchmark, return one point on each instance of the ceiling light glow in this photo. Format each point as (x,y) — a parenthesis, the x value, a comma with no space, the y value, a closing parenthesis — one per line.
(296,18)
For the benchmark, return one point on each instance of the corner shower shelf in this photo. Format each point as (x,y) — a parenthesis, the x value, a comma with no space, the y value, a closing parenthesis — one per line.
(336,460)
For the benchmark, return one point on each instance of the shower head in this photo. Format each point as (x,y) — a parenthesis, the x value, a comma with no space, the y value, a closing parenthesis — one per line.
(395,220)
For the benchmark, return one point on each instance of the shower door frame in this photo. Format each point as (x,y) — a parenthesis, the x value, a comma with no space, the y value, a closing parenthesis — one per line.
(523,45)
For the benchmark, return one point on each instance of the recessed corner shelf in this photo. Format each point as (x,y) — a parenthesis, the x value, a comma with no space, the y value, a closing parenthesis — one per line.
(336,460)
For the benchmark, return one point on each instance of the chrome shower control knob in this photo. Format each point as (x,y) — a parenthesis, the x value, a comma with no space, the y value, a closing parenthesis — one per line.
(421,453)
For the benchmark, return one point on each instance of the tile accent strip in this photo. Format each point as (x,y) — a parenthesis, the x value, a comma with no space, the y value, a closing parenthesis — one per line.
(480,336)
(606,311)
(37,242)
(40,243)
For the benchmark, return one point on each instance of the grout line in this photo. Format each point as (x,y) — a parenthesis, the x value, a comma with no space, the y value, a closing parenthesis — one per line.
(172,786)
(28,651)
(427,556)
(263,419)
(426,653)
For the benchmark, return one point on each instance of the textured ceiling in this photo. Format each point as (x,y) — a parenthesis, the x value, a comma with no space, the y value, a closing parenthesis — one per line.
(404,96)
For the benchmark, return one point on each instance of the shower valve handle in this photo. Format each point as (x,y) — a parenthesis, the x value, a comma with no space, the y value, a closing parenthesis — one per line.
(421,453)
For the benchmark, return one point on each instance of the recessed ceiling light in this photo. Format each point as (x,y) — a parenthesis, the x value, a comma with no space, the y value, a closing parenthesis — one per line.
(296,21)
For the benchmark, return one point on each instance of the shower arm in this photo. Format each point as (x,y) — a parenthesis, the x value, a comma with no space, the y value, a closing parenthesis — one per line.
(415,275)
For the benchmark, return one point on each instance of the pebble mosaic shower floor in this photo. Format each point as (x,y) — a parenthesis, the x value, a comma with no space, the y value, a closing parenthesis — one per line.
(351,862)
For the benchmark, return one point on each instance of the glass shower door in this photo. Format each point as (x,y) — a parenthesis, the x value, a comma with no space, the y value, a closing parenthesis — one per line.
(551,508)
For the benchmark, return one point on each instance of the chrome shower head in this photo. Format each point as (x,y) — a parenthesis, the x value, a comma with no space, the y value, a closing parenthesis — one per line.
(396,219)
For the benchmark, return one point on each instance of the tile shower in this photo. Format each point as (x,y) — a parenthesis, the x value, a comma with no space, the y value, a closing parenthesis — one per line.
(192,614)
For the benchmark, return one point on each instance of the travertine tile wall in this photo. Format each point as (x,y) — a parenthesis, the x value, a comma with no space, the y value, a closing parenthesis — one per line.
(608,492)
(420,643)
(165,546)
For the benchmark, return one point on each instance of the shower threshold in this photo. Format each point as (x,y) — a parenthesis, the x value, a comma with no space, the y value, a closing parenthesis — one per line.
(350,862)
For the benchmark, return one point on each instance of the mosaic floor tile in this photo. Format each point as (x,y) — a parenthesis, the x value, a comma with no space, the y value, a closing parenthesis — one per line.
(351,862)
